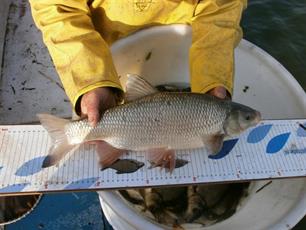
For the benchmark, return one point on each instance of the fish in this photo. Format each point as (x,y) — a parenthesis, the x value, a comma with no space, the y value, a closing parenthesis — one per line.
(158,201)
(178,164)
(156,122)
(195,205)
(125,166)
(202,199)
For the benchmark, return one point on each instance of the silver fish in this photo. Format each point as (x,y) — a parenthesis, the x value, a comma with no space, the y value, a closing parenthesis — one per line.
(157,122)
(195,204)
(158,201)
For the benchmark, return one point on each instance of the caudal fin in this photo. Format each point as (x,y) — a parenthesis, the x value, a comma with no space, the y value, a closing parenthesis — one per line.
(60,146)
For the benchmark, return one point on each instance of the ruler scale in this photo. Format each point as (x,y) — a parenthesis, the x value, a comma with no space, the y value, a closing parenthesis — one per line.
(273,149)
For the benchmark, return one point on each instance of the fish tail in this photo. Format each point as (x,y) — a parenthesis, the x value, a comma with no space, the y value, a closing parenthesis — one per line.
(60,145)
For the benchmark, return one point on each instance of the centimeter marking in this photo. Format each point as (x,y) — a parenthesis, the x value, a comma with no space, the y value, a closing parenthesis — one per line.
(273,149)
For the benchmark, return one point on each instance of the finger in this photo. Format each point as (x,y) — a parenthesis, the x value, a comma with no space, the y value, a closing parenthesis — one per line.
(83,110)
(92,109)
(219,92)
(93,115)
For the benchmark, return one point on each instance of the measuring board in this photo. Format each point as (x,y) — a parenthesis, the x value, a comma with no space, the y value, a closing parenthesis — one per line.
(272,149)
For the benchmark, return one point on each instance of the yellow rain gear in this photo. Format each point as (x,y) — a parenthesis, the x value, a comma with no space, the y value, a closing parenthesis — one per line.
(78,34)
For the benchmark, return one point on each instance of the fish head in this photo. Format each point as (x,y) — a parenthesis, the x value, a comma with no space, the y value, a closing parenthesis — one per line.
(240,118)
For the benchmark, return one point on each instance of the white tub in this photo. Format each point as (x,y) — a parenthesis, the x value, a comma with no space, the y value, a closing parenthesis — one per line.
(272,90)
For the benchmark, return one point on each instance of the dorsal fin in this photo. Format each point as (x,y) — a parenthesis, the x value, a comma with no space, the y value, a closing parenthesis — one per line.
(137,87)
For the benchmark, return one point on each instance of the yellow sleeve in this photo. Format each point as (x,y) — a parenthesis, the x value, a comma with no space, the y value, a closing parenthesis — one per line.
(81,56)
(215,34)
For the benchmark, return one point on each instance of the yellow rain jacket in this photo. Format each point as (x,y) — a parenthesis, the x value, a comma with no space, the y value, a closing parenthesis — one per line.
(78,34)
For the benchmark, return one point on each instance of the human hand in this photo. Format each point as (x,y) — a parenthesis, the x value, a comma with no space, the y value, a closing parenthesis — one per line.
(93,105)
(95,102)
(219,92)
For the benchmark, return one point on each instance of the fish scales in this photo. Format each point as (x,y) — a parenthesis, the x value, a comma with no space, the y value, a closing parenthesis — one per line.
(176,120)
(159,123)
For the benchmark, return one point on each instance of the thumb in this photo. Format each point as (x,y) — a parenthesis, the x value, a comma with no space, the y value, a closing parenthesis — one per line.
(93,116)
(219,92)
(90,108)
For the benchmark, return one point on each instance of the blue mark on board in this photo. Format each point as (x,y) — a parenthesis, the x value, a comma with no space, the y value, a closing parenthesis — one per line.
(258,134)
(301,132)
(83,183)
(30,167)
(277,143)
(13,188)
(227,147)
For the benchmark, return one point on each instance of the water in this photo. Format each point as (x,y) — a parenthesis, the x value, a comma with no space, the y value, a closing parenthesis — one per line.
(279,27)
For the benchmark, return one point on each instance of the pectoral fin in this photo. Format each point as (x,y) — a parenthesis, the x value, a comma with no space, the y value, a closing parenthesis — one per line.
(214,143)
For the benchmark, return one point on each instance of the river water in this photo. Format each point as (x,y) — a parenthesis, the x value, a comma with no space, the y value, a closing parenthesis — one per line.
(279,27)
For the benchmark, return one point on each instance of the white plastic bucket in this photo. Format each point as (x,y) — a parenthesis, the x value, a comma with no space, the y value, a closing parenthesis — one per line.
(160,55)
(14,208)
